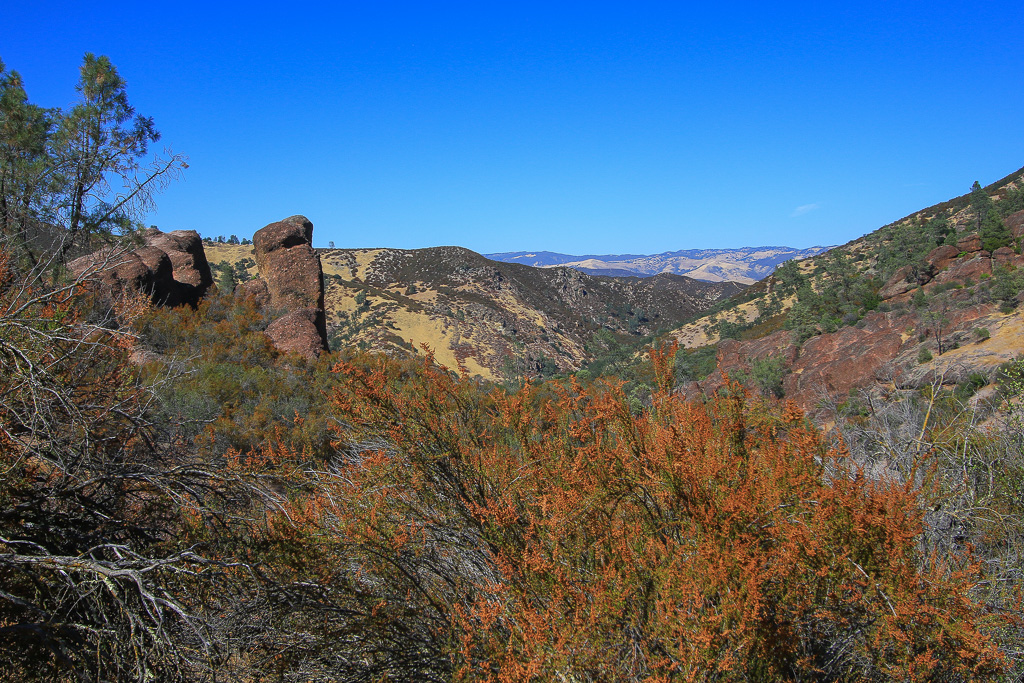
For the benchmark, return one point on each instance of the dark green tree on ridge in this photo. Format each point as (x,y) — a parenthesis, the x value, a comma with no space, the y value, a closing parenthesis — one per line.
(81,173)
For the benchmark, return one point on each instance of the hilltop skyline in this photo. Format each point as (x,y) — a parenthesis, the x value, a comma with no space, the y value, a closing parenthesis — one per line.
(578,129)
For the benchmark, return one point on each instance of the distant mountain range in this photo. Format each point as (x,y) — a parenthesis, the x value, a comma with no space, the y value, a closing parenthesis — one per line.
(746,265)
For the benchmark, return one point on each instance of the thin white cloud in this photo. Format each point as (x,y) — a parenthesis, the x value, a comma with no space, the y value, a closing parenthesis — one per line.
(806,208)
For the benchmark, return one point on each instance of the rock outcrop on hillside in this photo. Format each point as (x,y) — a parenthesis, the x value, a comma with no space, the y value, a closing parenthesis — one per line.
(191,269)
(171,267)
(293,276)
(881,350)
(824,366)
(938,321)
(1015,222)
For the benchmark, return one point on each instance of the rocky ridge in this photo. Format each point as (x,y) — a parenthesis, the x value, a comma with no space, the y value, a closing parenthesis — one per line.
(942,320)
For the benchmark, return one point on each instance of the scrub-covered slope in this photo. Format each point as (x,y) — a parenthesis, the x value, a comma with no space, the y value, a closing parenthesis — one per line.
(931,298)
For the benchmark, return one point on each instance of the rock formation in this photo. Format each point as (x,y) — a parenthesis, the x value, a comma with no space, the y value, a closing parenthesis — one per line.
(185,250)
(294,282)
(941,257)
(297,332)
(969,243)
(254,289)
(171,267)
(901,282)
(115,272)
(1015,222)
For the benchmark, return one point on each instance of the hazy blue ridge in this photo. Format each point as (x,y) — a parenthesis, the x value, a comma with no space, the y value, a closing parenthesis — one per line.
(751,260)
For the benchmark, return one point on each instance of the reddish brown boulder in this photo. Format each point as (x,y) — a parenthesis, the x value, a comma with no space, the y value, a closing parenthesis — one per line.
(941,257)
(969,243)
(191,269)
(115,272)
(1014,260)
(171,267)
(294,282)
(1003,256)
(298,332)
(901,282)
(966,268)
(254,289)
(288,264)
(1015,222)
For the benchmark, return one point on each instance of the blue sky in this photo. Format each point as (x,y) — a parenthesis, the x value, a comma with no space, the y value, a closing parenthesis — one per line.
(572,127)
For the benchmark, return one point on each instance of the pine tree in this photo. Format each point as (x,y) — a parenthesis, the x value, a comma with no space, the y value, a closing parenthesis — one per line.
(24,131)
(980,204)
(80,173)
(993,232)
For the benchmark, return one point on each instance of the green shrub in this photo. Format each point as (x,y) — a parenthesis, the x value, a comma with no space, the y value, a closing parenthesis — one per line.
(919,299)
(767,374)
(970,386)
(924,355)
(695,364)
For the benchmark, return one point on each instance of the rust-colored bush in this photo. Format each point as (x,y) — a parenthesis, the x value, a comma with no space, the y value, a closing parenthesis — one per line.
(513,537)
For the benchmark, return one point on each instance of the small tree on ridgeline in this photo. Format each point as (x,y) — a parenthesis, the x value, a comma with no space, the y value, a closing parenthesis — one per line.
(987,221)
(980,203)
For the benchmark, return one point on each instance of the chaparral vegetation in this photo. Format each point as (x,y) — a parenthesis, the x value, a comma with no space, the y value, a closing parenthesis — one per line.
(182,501)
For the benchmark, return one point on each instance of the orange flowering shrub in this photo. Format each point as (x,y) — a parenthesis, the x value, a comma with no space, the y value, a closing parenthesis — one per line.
(567,536)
